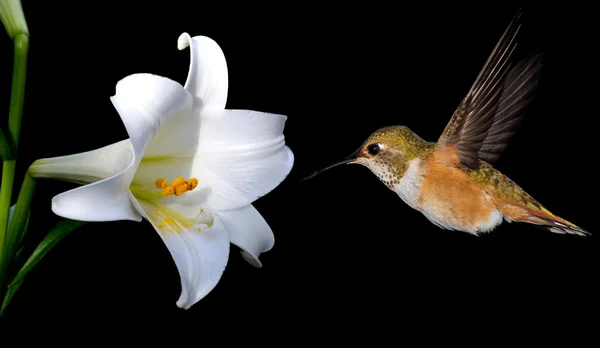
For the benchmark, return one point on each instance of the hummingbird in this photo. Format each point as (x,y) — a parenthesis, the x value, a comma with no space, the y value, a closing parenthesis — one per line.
(452,182)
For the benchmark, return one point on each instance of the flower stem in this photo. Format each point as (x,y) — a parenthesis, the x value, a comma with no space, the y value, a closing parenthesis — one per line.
(15,113)
(17,95)
(8,178)
(19,219)
(17,227)
(5,153)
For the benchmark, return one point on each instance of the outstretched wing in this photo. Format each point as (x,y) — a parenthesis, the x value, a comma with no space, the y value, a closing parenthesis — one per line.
(487,117)
(518,92)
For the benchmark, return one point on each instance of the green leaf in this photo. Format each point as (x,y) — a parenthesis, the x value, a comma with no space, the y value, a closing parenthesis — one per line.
(61,230)
(11,212)
(10,292)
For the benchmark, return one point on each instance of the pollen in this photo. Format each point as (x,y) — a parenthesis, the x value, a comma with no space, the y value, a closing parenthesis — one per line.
(192,183)
(161,183)
(178,181)
(168,191)
(181,188)
(177,187)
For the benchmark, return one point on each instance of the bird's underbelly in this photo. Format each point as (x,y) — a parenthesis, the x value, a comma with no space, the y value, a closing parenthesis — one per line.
(449,199)
(473,217)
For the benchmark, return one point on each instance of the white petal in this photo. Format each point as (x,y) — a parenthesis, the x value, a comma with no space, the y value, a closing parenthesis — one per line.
(177,138)
(239,156)
(144,102)
(86,167)
(200,255)
(207,78)
(248,230)
(107,199)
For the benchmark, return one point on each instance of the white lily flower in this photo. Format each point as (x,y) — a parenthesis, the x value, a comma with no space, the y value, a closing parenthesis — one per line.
(190,167)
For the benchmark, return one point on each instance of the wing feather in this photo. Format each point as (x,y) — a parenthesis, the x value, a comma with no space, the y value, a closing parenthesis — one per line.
(487,117)
(517,95)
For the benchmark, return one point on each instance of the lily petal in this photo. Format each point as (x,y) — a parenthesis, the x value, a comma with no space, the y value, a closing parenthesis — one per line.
(144,102)
(107,199)
(86,167)
(238,156)
(207,78)
(200,253)
(241,157)
(248,230)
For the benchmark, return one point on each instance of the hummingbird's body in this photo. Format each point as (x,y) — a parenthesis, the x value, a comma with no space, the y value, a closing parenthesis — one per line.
(452,181)
(430,178)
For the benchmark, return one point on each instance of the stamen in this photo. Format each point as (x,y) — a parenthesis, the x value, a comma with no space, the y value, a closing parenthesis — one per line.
(167,191)
(161,183)
(178,181)
(178,187)
(181,188)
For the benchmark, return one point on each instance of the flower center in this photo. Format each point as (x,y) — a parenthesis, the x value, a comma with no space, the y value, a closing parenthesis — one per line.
(165,218)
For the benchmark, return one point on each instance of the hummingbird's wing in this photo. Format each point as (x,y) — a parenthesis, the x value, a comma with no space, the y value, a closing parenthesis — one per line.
(518,92)
(485,120)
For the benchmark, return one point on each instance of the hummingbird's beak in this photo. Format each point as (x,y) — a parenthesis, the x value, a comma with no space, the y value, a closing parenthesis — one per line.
(346,160)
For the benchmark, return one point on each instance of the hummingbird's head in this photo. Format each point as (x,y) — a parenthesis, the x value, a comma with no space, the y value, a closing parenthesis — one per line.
(387,152)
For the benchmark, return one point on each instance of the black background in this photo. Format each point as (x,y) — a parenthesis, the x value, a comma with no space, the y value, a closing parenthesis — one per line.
(348,251)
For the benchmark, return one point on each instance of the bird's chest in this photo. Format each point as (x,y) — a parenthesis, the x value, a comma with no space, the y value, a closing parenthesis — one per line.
(448,198)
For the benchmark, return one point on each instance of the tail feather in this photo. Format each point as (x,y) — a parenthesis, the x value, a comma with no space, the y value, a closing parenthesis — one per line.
(563,227)
(544,219)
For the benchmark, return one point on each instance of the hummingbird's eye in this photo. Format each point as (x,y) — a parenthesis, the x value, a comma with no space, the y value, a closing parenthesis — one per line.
(373,149)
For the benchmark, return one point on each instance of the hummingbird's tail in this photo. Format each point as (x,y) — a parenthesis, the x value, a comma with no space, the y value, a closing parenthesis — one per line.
(544,219)
(559,225)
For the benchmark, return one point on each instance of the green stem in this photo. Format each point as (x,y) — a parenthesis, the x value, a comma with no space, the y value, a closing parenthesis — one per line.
(8,178)
(21,213)
(15,114)
(17,95)
(17,226)
(5,153)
